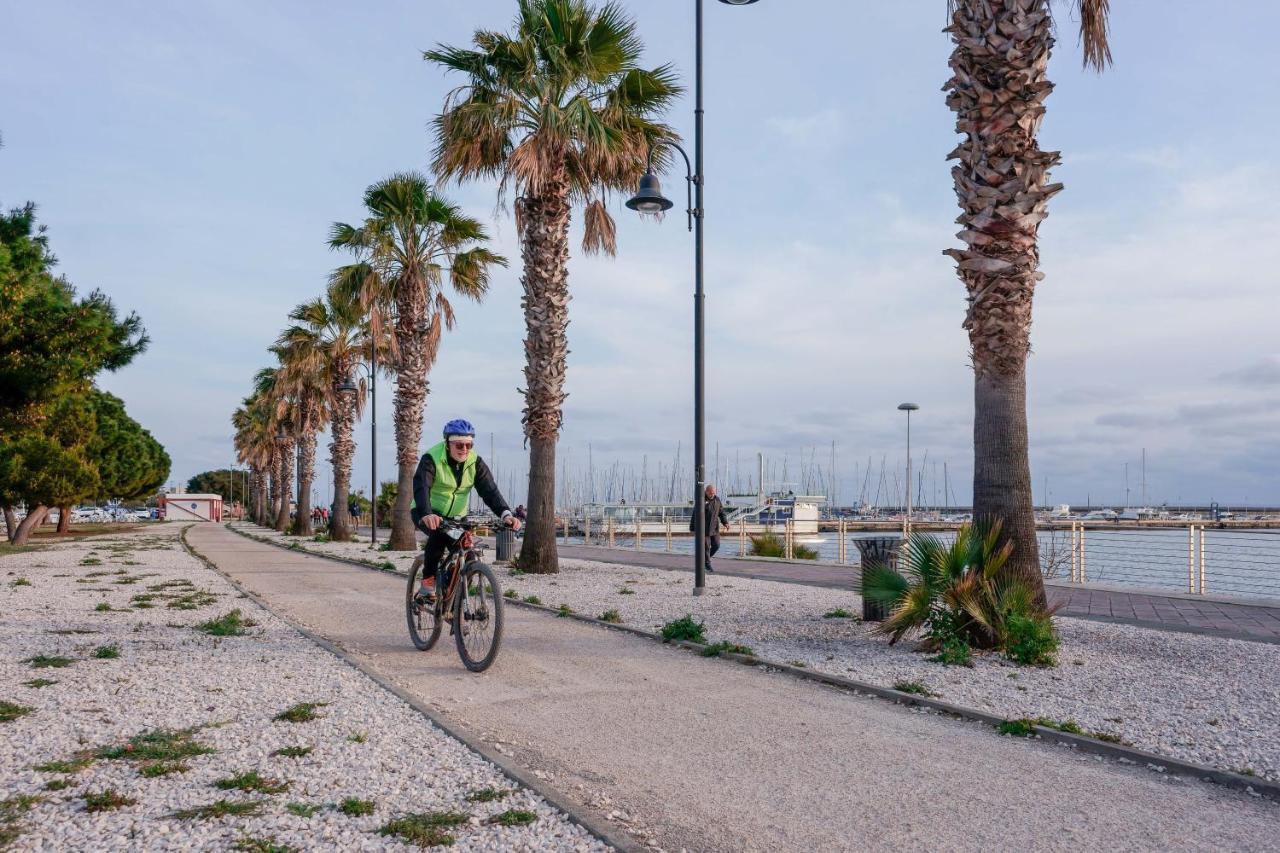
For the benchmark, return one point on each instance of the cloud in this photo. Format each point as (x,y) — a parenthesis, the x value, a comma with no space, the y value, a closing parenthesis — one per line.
(823,130)
(1262,373)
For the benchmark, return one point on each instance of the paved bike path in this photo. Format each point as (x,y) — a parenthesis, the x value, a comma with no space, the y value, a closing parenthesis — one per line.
(710,755)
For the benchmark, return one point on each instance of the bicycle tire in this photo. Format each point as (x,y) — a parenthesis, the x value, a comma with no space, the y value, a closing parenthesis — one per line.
(477,617)
(425,623)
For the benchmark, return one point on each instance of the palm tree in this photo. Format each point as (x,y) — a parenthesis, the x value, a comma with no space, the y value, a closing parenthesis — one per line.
(303,375)
(269,384)
(255,447)
(335,333)
(410,242)
(560,109)
(998,91)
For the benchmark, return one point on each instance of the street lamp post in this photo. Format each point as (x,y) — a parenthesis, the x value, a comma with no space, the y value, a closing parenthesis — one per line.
(908,408)
(350,387)
(649,199)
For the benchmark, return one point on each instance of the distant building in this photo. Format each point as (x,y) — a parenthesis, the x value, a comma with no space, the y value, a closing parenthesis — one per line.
(183,507)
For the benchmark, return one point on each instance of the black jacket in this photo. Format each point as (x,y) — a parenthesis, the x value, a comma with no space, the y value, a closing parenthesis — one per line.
(425,476)
(714,510)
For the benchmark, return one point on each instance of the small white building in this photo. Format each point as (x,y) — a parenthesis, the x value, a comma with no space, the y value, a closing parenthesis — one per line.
(184,507)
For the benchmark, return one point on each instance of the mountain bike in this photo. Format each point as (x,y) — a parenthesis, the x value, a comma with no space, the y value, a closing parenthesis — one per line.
(468,598)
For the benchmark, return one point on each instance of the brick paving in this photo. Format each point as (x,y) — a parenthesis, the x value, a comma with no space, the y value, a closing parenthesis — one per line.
(1256,622)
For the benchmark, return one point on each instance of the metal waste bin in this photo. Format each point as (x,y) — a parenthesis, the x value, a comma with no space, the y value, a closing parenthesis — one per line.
(873,551)
(506,538)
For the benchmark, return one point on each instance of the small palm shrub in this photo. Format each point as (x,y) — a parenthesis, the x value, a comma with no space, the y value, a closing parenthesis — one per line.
(960,598)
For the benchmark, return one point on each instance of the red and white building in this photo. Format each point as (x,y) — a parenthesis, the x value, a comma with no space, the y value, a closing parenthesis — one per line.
(184,507)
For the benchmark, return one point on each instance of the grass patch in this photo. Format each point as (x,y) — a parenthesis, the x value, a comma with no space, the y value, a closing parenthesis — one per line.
(75,765)
(263,845)
(293,751)
(65,631)
(56,784)
(1017,728)
(425,829)
(301,809)
(176,584)
(487,795)
(353,807)
(564,610)
(193,600)
(913,687)
(684,628)
(303,712)
(143,598)
(126,581)
(91,561)
(1068,726)
(613,617)
(48,662)
(513,817)
(107,652)
(17,804)
(10,711)
(357,737)
(516,571)
(251,781)
(231,624)
(157,769)
(714,649)
(105,801)
(387,566)
(838,613)
(20,582)
(102,607)
(511,593)
(220,808)
(532,599)
(40,682)
(626,591)
(156,745)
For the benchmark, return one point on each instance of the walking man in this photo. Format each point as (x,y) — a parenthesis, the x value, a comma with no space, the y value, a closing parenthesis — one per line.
(715,520)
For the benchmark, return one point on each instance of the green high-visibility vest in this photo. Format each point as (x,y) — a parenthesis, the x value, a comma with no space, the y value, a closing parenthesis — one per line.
(449,497)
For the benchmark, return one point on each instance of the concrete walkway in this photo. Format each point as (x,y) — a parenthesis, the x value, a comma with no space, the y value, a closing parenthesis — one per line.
(707,755)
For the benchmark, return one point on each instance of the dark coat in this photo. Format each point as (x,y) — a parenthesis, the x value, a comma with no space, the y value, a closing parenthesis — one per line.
(714,511)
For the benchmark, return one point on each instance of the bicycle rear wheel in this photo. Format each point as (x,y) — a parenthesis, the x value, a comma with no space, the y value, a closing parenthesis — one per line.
(477,617)
(424,619)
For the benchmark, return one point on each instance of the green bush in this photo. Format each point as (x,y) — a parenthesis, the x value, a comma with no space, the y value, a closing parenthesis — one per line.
(613,617)
(1031,640)
(684,628)
(766,545)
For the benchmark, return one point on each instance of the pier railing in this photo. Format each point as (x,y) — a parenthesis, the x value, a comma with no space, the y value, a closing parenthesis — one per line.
(1192,558)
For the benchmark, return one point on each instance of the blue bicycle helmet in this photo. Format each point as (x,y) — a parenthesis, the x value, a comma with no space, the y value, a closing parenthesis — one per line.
(459,426)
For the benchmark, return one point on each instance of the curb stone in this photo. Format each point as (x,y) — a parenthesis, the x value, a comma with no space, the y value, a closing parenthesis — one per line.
(1167,765)
(509,768)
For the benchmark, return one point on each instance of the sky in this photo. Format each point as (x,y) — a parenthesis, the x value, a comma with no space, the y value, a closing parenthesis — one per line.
(189,159)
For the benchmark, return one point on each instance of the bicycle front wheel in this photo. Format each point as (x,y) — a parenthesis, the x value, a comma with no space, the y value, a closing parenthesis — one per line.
(424,619)
(477,617)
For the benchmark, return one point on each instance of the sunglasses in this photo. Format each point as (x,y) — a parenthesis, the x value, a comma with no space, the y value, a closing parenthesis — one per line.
(462,445)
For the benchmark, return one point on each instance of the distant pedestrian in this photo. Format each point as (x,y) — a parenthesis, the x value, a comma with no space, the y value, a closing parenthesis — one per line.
(353,508)
(713,510)
(521,513)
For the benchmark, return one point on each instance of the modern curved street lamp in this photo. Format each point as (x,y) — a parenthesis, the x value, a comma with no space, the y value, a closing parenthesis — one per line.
(908,408)
(349,387)
(649,199)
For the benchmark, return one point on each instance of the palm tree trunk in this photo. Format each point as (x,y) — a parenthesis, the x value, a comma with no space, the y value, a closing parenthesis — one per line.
(1001,180)
(285,486)
(417,337)
(306,475)
(545,253)
(273,483)
(341,452)
(35,517)
(263,495)
(10,523)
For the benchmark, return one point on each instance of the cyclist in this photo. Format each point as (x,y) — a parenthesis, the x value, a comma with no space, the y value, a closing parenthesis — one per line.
(442,489)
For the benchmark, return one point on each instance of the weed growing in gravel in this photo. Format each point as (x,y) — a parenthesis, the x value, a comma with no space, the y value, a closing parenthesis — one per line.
(532,599)
(193,601)
(511,593)
(358,737)
(19,803)
(263,845)
(302,809)
(353,807)
(143,598)
(74,631)
(913,687)
(684,628)
(231,624)
(1017,728)
(565,610)
(157,745)
(56,784)
(102,607)
(838,613)
(126,581)
(513,817)
(178,583)
(387,566)
(48,661)
(220,808)
(723,646)
(487,795)
(426,829)
(516,571)
(251,781)
(1107,736)
(293,751)
(10,712)
(107,652)
(104,801)
(1031,640)
(80,761)
(303,712)
(91,561)
(20,582)
(156,769)
(1068,726)
(626,591)
(612,616)
(85,579)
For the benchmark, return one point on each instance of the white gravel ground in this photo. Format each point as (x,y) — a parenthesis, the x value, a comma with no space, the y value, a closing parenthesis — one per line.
(1202,699)
(367,744)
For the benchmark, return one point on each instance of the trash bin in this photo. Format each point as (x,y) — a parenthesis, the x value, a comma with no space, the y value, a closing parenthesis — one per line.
(506,538)
(876,550)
